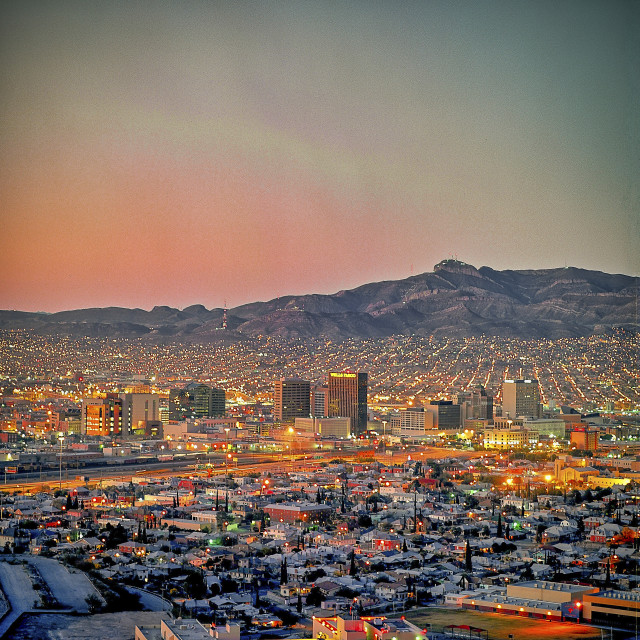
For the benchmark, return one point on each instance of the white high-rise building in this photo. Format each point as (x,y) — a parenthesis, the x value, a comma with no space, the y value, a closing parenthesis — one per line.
(521,398)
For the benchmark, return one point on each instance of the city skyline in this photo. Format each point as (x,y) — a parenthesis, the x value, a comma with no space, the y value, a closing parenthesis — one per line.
(190,154)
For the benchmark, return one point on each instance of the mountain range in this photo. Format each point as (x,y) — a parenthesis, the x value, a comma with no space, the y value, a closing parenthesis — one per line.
(455,300)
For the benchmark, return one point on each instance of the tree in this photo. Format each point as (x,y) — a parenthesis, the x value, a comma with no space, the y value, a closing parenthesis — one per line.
(527,574)
(499,532)
(227,585)
(467,558)
(315,574)
(315,597)
(352,566)
(283,572)
(194,585)
(94,603)
(364,520)
(299,603)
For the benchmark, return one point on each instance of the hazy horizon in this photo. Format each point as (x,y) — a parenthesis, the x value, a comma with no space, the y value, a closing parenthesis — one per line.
(192,153)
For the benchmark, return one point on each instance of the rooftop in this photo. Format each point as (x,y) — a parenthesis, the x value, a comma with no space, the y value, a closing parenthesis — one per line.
(552,586)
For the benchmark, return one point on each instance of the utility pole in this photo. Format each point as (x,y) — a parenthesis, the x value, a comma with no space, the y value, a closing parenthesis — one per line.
(61,438)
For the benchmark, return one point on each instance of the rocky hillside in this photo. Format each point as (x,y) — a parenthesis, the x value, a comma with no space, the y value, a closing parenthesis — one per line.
(456,299)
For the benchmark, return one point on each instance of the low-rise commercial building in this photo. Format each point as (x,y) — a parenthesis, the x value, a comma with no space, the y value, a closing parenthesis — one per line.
(513,438)
(535,599)
(610,607)
(303,512)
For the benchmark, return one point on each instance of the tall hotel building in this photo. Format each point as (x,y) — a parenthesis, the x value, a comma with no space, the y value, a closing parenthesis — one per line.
(348,398)
(291,399)
(521,398)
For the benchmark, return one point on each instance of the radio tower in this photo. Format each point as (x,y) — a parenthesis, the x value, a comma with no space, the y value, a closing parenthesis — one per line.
(224,316)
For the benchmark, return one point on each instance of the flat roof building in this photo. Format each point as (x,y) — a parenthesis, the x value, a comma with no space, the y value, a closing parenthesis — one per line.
(325,427)
(302,512)
(611,607)
(366,628)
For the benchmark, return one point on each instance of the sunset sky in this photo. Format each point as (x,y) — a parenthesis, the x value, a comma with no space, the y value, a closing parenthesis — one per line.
(195,152)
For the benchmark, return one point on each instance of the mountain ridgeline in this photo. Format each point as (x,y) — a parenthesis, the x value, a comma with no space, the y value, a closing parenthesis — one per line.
(455,300)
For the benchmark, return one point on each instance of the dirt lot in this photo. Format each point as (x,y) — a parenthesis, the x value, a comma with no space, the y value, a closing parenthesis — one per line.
(500,626)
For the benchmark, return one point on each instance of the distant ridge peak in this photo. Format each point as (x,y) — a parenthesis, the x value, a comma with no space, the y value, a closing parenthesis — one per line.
(455,266)
(457,300)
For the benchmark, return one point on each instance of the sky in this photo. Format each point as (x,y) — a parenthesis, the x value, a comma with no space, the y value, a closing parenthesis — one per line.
(178,153)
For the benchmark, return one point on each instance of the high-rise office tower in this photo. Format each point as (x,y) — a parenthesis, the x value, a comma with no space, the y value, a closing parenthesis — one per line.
(481,404)
(196,401)
(102,416)
(348,398)
(319,402)
(521,398)
(445,414)
(138,409)
(291,399)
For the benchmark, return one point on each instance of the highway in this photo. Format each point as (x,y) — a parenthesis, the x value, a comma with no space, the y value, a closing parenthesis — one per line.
(49,480)
(241,464)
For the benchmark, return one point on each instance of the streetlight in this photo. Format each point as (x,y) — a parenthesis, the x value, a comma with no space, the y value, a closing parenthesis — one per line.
(61,438)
